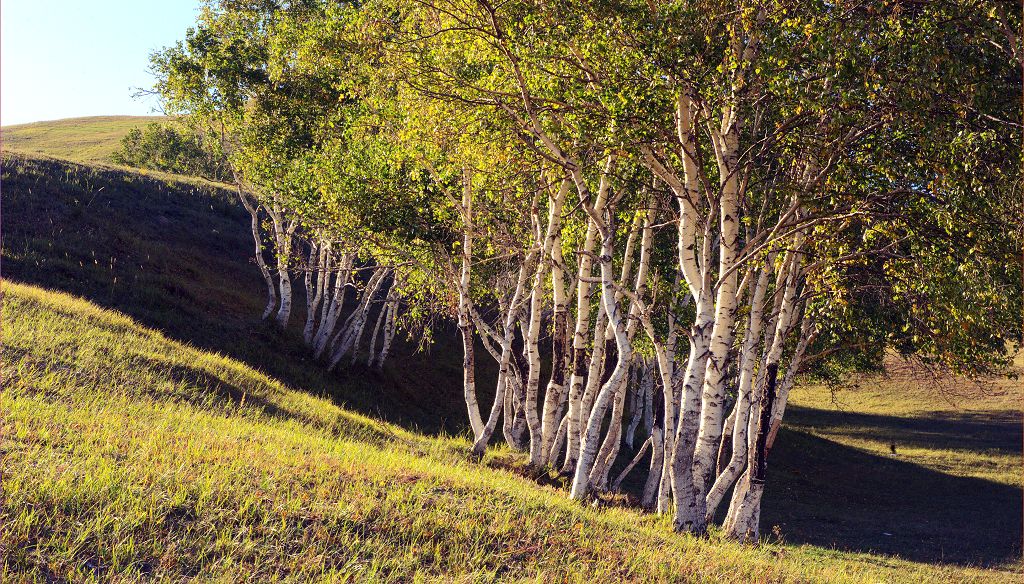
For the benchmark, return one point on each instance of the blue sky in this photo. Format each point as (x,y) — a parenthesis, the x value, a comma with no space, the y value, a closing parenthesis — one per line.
(70,58)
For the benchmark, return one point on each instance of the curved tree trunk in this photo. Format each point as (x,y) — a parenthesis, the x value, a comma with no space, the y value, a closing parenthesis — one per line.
(389,332)
(283,234)
(253,210)
(632,464)
(505,364)
(333,306)
(744,509)
(592,433)
(748,359)
(713,391)
(316,281)
(346,337)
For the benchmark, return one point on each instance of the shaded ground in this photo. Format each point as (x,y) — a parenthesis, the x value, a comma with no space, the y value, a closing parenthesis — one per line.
(177,257)
(827,494)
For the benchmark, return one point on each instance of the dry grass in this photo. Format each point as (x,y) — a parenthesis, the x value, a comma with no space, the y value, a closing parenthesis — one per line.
(129,454)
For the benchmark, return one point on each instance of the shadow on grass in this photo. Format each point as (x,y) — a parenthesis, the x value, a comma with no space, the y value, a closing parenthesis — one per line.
(177,257)
(974,430)
(822,493)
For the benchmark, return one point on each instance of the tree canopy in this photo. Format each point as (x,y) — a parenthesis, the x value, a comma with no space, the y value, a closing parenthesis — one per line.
(694,202)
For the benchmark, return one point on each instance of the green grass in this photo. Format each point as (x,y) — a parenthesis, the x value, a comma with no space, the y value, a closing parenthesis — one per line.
(165,440)
(129,455)
(959,428)
(91,140)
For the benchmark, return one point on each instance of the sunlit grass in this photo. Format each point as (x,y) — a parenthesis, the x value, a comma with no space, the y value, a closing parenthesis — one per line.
(957,427)
(88,140)
(128,455)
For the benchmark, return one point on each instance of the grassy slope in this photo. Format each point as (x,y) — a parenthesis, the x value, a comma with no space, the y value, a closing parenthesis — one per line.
(174,257)
(127,454)
(177,256)
(90,140)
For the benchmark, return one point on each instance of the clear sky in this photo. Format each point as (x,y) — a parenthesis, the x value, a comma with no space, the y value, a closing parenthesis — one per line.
(70,58)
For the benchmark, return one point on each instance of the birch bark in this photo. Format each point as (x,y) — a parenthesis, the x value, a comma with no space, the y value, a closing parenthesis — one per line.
(253,210)
(315,297)
(283,233)
(579,337)
(555,392)
(592,432)
(465,318)
(726,148)
(505,357)
(748,360)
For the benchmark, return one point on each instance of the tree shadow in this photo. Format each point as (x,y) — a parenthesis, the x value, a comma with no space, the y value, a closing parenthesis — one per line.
(177,258)
(822,493)
(966,430)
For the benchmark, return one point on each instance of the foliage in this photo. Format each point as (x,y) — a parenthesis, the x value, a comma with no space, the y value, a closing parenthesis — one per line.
(171,148)
(708,147)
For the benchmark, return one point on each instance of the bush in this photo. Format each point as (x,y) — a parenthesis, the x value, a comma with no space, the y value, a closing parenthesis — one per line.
(168,148)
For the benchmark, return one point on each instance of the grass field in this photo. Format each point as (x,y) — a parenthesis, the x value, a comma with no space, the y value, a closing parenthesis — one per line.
(127,455)
(90,140)
(181,438)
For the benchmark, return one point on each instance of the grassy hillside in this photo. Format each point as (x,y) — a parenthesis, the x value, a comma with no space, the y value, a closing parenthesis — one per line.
(176,255)
(91,139)
(189,378)
(127,455)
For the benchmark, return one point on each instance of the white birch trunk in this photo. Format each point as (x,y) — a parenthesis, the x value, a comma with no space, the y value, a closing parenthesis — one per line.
(346,337)
(333,306)
(595,371)
(592,432)
(358,335)
(283,232)
(637,406)
(382,315)
(465,318)
(713,392)
(579,337)
(554,394)
(260,261)
(389,333)
(559,441)
(748,359)
(315,272)
(744,509)
(610,448)
(632,464)
(504,358)
(648,499)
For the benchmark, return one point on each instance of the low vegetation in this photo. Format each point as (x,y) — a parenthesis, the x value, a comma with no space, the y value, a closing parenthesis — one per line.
(129,455)
(174,253)
(652,218)
(171,147)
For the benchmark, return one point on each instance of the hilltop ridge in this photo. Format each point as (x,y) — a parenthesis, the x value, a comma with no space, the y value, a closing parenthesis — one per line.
(89,140)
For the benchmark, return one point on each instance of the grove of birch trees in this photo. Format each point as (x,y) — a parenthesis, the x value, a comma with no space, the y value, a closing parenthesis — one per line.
(655,217)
